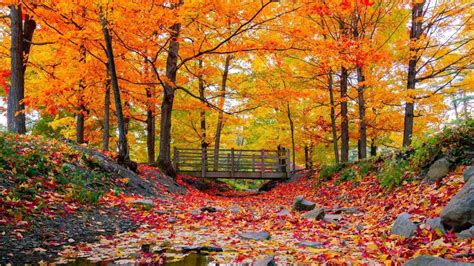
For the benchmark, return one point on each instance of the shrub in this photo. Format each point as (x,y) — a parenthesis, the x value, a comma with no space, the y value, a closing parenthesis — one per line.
(327,171)
(392,173)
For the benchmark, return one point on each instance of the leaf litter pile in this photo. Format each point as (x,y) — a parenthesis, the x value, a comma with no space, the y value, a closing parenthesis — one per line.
(206,220)
(49,179)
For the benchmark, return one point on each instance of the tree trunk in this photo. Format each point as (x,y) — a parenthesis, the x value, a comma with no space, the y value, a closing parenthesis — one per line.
(80,116)
(362,124)
(123,155)
(164,159)
(292,129)
(202,94)
(333,118)
(415,33)
(373,148)
(344,117)
(106,133)
(21,36)
(220,118)
(150,127)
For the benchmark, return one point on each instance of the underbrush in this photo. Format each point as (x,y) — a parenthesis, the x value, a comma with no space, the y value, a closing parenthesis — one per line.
(39,176)
(455,143)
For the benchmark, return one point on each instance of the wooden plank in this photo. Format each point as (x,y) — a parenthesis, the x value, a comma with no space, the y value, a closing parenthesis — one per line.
(239,175)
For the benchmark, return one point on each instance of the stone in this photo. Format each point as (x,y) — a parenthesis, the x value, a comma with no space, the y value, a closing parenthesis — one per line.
(201,248)
(145,203)
(316,214)
(301,204)
(438,170)
(266,261)
(208,209)
(172,220)
(310,244)
(283,213)
(195,212)
(403,226)
(255,235)
(466,234)
(424,260)
(459,213)
(332,218)
(348,210)
(468,173)
(235,209)
(435,224)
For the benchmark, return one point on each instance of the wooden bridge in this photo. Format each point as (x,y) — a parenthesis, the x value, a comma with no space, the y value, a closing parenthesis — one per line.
(233,164)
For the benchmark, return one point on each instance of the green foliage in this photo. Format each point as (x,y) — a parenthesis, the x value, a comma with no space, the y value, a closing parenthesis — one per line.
(32,161)
(453,142)
(392,173)
(327,171)
(347,174)
(365,167)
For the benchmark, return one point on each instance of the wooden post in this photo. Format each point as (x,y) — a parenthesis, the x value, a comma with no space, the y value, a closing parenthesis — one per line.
(306,156)
(253,162)
(262,160)
(176,159)
(232,162)
(203,163)
(288,162)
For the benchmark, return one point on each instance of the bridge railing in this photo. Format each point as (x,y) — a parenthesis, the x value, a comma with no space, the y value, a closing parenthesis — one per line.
(232,163)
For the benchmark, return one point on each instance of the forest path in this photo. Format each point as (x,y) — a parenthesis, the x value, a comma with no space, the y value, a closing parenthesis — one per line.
(213,222)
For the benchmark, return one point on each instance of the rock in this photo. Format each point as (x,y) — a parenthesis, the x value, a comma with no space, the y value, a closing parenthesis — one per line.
(195,212)
(332,218)
(301,204)
(435,223)
(348,210)
(403,226)
(234,209)
(283,213)
(266,261)
(317,214)
(145,203)
(466,234)
(208,209)
(459,213)
(172,220)
(468,173)
(424,260)
(202,248)
(438,170)
(310,244)
(255,235)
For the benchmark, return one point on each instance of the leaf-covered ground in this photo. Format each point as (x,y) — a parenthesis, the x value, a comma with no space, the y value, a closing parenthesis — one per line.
(361,237)
(47,185)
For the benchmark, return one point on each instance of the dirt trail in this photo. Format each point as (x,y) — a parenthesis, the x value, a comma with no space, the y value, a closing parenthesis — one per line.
(178,223)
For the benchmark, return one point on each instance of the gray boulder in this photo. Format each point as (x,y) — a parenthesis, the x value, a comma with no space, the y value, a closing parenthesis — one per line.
(459,213)
(424,260)
(466,234)
(144,203)
(468,173)
(435,223)
(301,204)
(265,261)
(255,235)
(316,214)
(283,213)
(310,244)
(438,170)
(403,226)
(348,210)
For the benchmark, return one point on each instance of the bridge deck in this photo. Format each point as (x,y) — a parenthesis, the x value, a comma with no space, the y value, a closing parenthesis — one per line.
(231,163)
